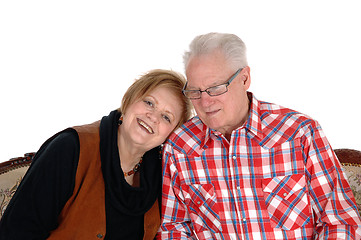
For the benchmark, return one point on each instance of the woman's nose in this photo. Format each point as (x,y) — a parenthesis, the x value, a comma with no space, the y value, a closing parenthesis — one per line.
(153,116)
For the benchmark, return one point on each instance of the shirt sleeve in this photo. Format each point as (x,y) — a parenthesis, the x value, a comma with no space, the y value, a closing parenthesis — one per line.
(332,200)
(175,221)
(33,211)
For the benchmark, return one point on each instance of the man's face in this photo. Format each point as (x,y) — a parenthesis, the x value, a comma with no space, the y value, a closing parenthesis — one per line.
(225,112)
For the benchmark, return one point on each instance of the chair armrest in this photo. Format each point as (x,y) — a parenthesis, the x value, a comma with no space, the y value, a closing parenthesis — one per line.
(351,162)
(11,174)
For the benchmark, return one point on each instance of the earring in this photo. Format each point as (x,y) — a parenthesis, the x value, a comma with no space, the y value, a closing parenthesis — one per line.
(120,121)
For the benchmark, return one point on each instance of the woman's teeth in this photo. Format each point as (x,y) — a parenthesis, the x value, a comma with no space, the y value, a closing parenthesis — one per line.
(149,129)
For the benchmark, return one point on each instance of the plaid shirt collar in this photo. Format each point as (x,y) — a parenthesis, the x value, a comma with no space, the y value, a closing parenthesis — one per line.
(253,124)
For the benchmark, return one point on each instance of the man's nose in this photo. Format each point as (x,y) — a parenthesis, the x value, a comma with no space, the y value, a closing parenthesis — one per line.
(206,100)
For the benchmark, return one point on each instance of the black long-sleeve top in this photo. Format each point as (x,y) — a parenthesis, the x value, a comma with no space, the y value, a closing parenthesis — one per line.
(33,211)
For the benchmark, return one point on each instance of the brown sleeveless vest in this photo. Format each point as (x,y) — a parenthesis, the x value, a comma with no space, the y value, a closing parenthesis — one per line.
(83,216)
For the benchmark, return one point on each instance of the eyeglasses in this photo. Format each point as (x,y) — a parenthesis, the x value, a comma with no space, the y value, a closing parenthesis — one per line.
(212,91)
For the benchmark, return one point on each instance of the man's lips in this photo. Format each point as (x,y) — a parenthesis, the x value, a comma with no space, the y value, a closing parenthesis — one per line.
(145,126)
(210,113)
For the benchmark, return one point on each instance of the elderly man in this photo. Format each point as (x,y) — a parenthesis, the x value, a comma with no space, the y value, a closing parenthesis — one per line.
(248,169)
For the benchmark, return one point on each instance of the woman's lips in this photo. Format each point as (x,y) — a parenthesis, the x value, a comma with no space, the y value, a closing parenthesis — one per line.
(145,126)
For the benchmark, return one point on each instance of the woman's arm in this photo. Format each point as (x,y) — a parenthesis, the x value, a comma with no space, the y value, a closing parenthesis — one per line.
(33,211)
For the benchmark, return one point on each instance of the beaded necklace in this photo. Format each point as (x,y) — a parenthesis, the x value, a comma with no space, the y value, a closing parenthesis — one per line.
(135,169)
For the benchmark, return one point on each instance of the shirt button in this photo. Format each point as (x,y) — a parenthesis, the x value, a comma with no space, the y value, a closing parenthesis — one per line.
(99,235)
(244,219)
(234,157)
(199,202)
(285,194)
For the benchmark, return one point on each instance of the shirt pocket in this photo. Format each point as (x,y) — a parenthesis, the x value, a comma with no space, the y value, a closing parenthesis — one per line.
(286,201)
(202,205)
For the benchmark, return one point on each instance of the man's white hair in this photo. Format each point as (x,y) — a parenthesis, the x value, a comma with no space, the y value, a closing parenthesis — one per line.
(230,45)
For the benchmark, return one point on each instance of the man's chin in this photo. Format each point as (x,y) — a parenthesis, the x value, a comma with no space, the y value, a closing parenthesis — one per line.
(213,124)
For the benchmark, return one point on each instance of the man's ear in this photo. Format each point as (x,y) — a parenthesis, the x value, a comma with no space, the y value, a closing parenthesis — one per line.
(246,77)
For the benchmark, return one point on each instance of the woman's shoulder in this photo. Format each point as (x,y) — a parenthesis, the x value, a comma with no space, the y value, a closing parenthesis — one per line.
(60,149)
(62,140)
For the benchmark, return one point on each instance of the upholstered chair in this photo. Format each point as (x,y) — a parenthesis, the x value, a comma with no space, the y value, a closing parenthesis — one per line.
(13,170)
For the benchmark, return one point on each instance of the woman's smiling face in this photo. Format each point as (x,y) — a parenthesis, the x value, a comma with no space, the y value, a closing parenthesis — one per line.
(149,120)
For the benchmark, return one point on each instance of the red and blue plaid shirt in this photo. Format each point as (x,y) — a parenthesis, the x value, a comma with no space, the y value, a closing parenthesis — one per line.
(277,178)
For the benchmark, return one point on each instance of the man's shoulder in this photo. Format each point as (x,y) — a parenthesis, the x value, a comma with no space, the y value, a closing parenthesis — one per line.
(270,111)
(190,133)
(281,124)
(193,127)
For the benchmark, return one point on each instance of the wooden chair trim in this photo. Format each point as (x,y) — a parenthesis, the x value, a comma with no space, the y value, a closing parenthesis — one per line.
(349,157)
(15,163)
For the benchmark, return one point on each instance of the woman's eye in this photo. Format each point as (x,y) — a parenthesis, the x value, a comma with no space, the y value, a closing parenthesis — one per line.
(149,103)
(165,117)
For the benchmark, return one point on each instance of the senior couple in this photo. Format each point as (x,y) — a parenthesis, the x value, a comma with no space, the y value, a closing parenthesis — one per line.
(240,169)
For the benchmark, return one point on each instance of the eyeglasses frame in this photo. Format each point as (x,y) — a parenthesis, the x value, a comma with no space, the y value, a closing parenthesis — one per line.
(206,90)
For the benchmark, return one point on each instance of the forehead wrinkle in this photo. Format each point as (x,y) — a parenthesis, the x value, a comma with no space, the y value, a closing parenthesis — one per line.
(212,84)
(213,67)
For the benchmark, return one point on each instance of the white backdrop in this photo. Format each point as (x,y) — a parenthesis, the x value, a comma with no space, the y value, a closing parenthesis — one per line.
(65,63)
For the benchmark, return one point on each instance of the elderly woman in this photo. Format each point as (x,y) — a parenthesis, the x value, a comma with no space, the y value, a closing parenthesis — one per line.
(102,180)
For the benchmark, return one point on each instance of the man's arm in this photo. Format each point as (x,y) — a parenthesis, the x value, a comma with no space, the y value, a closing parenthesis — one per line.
(333,204)
(175,222)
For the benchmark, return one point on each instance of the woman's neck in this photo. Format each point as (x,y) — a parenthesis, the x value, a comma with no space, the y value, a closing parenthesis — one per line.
(129,154)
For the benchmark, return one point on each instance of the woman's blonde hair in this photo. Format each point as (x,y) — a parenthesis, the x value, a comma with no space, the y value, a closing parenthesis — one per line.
(154,79)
